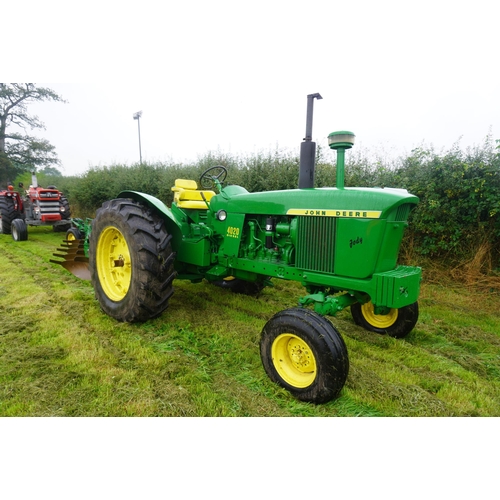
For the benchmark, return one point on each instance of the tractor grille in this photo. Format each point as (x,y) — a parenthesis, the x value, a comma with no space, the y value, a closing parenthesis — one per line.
(315,248)
(49,207)
(402,212)
(49,210)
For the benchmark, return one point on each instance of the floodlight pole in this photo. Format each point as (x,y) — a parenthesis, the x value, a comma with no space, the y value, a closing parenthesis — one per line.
(137,116)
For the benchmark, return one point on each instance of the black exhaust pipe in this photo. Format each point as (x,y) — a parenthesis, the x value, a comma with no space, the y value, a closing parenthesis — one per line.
(308,148)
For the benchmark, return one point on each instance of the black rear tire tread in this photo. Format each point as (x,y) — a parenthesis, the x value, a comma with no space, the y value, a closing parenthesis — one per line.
(151,255)
(8,214)
(66,215)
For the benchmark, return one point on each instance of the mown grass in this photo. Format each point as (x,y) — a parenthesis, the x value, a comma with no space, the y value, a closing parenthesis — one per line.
(61,356)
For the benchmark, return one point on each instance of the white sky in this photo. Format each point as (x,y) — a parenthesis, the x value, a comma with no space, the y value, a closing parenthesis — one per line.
(234,75)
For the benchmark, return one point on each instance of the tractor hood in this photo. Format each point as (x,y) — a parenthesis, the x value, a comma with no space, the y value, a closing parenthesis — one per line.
(333,202)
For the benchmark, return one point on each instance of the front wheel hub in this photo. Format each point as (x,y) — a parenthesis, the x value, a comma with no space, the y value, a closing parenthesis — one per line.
(379,320)
(294,360)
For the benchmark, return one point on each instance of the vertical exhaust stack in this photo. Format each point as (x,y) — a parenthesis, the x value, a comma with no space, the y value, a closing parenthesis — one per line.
(308,148)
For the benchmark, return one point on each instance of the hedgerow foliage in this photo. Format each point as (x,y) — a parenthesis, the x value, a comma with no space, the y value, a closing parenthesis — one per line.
(459,189)
(460,199)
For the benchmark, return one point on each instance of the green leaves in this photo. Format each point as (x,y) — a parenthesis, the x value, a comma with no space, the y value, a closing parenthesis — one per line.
(20,151)
(460,197)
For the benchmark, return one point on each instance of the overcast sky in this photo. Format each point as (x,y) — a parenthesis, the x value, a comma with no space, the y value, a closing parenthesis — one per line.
(234,76)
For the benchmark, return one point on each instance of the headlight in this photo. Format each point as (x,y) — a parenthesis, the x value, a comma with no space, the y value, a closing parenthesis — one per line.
(221,215)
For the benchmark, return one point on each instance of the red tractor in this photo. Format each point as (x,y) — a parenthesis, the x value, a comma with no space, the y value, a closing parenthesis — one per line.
(39,207)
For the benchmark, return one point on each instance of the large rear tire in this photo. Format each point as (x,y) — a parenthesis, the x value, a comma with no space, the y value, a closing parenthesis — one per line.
(7,214)
(66,213)
(398,323)
(131,261)
(304,353)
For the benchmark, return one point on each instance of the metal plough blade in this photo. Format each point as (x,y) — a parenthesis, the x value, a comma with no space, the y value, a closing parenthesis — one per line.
(73,258)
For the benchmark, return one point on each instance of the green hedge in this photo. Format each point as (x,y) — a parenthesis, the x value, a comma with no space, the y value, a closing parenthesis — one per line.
(459,190)
(459,199)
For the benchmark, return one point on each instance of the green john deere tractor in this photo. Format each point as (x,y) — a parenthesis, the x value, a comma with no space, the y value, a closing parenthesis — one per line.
(340,243)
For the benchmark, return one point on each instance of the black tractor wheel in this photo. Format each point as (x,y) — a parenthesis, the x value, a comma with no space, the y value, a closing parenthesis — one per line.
(73,234)
(7,214)
(66,213)
(304,353)
(61,228)
(240,286)
(19,230)
(131,261)
(398,323)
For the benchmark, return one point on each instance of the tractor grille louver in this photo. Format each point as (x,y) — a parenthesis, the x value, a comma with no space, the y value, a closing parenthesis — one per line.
(316,244)
(403,212)
(49,207)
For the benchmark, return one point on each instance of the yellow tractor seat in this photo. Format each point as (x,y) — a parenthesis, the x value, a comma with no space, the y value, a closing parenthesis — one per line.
(186,195)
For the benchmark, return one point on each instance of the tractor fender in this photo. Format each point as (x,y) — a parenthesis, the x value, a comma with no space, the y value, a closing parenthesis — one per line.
(172,223)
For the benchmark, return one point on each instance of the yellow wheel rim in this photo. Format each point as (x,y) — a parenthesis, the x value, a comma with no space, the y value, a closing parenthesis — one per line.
(70,237)
(113,263)
(378,320)
(294,360)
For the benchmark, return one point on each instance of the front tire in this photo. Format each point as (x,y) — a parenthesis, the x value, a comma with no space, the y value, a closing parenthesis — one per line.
(19,230)
(73,234)
(304,353)
(398,323)
(131,261)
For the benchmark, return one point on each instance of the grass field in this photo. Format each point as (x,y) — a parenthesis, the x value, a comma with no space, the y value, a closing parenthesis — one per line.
(61,356)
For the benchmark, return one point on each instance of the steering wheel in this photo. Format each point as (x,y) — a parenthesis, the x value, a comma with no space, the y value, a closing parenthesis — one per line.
(213,177)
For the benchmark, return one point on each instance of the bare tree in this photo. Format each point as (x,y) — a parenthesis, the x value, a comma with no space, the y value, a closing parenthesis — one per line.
(20,151)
